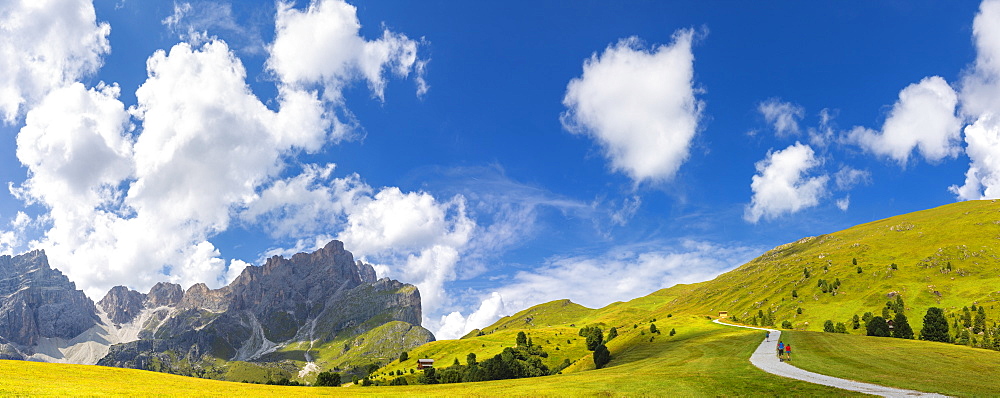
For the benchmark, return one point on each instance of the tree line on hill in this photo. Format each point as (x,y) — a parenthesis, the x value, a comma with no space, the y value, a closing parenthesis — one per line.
(523,360)
(969,325)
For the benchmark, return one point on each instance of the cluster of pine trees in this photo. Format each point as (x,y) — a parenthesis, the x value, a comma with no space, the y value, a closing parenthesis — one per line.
(524,360)
(595,343)
(891,323)
(971,329)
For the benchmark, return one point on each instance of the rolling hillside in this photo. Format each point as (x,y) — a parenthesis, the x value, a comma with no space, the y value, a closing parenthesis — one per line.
(941,257)
(944,257)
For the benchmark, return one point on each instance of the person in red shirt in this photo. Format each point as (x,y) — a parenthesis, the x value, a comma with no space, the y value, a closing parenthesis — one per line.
(788,352)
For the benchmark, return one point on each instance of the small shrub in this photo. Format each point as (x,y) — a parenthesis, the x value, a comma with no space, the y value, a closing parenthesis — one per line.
(786,325)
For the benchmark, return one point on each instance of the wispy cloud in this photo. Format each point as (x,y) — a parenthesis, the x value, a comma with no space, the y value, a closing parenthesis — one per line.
(622,273)
(782,116)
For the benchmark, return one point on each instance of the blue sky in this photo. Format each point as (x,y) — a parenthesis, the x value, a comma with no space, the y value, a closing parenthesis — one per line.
(497,156)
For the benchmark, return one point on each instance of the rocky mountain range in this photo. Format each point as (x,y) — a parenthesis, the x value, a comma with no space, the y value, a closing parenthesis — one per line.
(38,302)
(308,300)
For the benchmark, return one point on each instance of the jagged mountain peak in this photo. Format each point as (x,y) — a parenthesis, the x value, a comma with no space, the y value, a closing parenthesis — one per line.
(306,300)
(164,294)
(309,298)
(122,304)
(37,301)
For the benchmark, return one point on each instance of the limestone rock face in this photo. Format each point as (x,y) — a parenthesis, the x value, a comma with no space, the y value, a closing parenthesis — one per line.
(164,294)
(121,304)
(37,301)
(310,297)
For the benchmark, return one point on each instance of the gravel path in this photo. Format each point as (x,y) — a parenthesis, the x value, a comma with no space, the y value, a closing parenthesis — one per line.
(766,358)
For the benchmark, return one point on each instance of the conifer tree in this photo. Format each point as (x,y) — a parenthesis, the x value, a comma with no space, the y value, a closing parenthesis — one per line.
(877,327)
(601,356)
(935,326)
(522,339)
(595,338)
(979,324)
(901,327)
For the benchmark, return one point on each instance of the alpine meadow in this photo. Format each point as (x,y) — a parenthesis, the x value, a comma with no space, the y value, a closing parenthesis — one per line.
(520,199)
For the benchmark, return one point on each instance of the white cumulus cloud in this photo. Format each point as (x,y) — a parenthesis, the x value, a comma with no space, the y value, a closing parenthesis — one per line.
(982,180)
(639,104)
(134,213)
(782,184)
(322,45)
(923,119)
(133,196)
(455,325)
(980,96)
(45,45)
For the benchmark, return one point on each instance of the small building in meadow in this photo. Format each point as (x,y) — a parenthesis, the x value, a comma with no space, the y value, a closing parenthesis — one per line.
(425,363)
(723,314)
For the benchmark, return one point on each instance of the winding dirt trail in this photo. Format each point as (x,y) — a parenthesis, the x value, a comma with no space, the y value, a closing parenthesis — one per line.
(766,359)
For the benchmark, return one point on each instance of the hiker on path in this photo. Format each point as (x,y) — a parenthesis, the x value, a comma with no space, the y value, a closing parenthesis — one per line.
(788,352)
(767,335)
(781,349)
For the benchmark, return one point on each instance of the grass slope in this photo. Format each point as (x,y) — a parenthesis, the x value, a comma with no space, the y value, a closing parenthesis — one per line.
(703,360)
(912,364)
(921,244)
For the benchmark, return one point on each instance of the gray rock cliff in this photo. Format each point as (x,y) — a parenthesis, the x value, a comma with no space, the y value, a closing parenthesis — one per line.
(121,304)
(37,301)
(314,296)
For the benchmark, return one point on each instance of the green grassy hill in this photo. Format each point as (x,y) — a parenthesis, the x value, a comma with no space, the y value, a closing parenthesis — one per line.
(944,257)
(941,257)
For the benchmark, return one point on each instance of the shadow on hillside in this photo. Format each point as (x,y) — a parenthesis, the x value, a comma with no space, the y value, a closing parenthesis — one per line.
(294,355)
